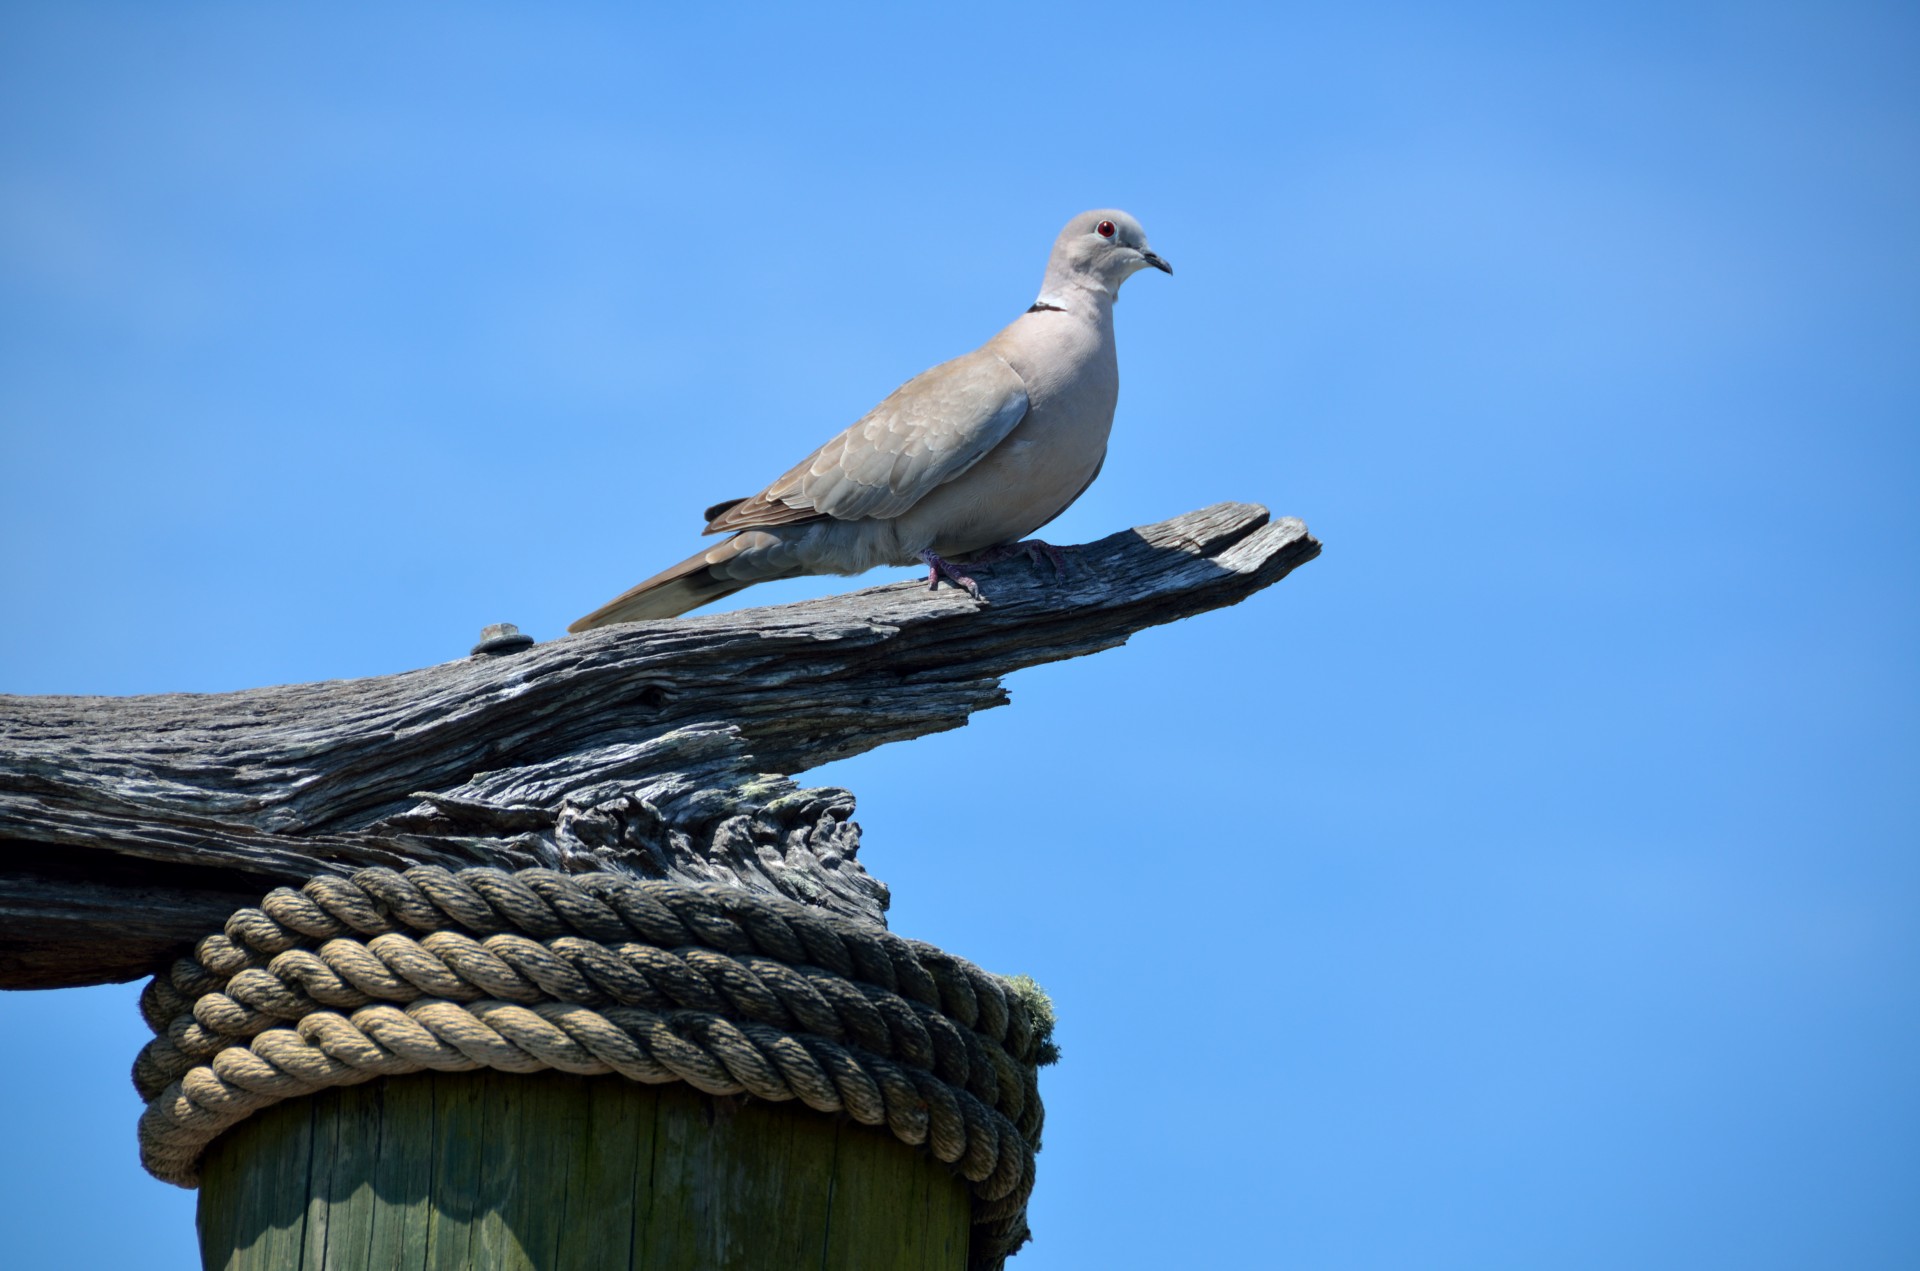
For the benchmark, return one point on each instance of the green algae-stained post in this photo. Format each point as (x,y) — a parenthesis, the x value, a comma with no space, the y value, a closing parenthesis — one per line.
(548,1172)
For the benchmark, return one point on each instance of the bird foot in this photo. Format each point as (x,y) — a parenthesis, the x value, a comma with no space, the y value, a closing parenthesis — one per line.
(939,567)
(1034,549)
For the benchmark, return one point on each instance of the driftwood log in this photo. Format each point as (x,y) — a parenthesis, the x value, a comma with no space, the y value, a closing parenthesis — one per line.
(129,827)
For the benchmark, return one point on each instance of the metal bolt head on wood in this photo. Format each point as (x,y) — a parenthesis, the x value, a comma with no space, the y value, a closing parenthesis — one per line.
(501,637)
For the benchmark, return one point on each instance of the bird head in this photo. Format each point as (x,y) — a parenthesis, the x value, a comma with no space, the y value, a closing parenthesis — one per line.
(1100,250)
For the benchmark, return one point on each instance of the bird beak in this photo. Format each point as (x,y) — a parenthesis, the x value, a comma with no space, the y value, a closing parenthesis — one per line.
(1156,262)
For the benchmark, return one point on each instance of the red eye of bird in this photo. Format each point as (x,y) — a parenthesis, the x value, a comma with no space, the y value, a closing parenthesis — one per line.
(1104,229)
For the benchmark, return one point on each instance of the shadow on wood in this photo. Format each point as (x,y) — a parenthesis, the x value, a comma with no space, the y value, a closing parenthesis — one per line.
(547,1172)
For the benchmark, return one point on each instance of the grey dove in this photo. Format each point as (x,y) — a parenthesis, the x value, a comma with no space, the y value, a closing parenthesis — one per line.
(957,466)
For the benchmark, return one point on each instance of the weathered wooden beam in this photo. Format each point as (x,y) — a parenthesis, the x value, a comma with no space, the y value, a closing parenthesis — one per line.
(662,748)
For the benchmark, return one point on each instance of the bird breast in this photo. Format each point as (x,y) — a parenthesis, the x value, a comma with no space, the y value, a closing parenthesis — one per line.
(1073,383)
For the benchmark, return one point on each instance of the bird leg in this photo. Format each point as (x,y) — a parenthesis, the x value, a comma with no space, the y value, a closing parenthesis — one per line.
(939,567)
(1033,549)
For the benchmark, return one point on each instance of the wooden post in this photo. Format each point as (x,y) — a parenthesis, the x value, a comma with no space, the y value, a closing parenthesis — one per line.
(547,1172)
(130,828)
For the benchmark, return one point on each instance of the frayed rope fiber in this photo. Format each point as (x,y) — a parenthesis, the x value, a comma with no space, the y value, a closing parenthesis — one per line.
(384,973)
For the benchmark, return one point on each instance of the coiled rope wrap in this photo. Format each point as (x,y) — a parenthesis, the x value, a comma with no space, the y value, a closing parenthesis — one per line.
(348,979)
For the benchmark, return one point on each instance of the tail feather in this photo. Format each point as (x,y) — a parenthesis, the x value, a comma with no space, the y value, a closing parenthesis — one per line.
(672,592)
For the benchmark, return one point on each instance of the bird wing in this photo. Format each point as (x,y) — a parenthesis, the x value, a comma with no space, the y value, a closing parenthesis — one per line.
(929,431)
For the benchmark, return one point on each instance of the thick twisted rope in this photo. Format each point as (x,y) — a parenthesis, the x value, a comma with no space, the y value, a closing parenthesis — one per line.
(346,980)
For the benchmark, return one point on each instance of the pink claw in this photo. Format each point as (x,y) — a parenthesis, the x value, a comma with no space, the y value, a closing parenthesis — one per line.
(939,567)
(1033,548)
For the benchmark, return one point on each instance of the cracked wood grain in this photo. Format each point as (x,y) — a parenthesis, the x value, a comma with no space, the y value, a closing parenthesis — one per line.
(665,749)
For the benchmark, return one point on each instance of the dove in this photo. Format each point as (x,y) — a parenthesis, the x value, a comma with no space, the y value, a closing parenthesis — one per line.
(958,466)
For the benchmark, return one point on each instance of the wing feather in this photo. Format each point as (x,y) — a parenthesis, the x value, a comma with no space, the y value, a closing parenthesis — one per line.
(929,431)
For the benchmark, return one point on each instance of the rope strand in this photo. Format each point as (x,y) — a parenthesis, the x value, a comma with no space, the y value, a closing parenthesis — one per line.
(385,973)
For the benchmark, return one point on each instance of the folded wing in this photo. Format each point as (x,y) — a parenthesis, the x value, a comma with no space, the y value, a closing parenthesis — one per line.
(933,428)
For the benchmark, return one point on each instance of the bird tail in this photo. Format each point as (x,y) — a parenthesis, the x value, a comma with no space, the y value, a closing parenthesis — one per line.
(693,582)
(667,594)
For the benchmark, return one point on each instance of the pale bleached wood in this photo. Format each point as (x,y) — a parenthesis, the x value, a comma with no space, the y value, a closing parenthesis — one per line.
(128,825)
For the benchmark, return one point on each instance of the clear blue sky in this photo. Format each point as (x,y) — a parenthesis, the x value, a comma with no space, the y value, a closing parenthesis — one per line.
(1531,882)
